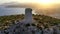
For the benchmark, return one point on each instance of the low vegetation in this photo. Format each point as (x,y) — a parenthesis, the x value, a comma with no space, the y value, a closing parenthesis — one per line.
(6,21)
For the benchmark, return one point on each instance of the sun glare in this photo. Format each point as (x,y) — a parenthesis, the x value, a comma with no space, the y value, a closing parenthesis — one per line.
(45,1)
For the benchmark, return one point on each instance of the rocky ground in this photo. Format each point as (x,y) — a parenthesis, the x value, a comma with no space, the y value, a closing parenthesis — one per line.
(40,25)
(30,28)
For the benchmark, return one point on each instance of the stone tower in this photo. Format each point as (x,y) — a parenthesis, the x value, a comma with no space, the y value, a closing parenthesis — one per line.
(28,15)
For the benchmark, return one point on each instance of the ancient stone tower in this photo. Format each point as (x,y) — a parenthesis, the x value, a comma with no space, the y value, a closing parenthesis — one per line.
(28,15)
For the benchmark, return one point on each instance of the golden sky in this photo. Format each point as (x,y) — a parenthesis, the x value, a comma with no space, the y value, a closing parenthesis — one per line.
(51,6)
(39,1)
(43,3)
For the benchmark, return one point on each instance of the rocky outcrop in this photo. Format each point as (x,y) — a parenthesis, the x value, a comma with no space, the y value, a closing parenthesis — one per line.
(30,28)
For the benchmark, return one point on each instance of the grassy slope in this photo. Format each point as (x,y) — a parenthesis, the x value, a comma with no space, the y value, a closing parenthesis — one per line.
(7,20)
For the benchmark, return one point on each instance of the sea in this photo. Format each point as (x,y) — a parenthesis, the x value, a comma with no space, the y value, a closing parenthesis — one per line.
(11,11)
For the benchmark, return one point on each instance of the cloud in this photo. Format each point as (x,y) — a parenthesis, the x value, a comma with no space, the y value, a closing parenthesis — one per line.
(53,11)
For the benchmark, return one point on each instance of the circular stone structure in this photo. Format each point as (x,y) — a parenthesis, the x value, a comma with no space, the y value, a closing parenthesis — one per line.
(28,15)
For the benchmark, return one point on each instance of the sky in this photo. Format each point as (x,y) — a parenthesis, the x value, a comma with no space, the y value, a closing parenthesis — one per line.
(53,1)
(46,7)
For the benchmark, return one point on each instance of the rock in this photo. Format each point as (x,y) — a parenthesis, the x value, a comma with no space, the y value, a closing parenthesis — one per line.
(48,31)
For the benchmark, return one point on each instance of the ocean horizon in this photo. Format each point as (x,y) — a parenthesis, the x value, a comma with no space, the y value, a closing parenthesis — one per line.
(11,11)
